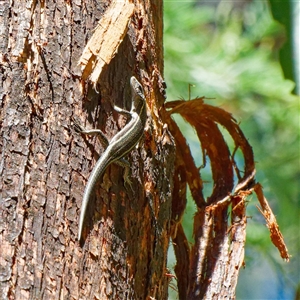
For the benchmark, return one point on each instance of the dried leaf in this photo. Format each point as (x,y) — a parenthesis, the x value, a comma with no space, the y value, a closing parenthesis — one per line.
(218,251)
(275,234)
(204,118)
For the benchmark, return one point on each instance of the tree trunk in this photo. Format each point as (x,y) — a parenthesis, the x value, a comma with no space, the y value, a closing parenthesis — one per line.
(45,163)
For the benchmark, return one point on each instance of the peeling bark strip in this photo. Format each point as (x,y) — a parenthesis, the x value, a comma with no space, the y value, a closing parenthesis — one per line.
(104,43)
(209,269)
(275,234)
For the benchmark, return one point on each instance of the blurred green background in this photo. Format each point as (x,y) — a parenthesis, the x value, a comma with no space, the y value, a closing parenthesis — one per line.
(244,55)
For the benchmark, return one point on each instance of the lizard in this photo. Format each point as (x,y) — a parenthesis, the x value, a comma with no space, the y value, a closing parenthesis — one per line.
(120,145)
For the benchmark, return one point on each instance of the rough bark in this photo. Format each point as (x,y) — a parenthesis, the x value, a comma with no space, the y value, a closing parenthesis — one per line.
(45,164)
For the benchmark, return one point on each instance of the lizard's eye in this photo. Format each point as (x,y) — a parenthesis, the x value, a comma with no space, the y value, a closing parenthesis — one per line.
(140,89)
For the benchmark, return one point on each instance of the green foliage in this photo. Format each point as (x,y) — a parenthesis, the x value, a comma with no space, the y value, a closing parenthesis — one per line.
(231,55)
(282,11)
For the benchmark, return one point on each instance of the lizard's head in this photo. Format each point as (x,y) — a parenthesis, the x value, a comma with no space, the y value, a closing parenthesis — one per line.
(137,91)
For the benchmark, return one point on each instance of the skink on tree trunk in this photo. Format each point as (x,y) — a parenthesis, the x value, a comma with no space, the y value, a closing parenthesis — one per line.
(121,144)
